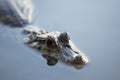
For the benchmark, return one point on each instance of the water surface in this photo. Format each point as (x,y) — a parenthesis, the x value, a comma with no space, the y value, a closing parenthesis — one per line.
(94,26)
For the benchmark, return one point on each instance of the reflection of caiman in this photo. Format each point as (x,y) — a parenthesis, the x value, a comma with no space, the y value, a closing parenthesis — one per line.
(53,46)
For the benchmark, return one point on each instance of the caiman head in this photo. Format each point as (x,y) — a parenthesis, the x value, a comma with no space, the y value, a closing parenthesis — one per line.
(55,46)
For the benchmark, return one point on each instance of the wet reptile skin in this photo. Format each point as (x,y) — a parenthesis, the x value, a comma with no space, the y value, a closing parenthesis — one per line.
(53,46)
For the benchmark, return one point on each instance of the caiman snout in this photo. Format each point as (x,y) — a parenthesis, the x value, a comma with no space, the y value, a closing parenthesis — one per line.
(79,60)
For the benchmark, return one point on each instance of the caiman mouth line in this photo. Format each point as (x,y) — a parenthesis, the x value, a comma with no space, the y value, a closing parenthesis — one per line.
(53,46)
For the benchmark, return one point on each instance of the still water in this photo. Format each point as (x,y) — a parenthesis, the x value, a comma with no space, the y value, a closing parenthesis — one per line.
(94,26)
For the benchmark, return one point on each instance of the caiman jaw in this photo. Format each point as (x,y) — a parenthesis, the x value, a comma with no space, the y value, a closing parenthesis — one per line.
(73,56)
(56,46)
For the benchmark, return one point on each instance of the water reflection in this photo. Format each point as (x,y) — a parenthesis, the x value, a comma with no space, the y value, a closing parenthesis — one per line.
(94,28)
(54,45)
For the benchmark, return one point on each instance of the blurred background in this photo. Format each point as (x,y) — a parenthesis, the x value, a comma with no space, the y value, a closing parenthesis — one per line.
(94,26)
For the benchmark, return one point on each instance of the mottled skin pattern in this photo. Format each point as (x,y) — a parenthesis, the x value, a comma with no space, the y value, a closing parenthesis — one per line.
(53,46)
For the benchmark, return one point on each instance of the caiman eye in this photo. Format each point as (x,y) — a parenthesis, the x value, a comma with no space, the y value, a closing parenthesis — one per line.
(51,43)
(64,37)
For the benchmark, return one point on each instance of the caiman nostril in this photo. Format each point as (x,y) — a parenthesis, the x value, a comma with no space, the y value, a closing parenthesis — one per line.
(56,45)
(78,60)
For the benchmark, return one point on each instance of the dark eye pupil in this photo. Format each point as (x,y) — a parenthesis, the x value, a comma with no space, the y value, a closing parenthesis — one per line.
(49,42)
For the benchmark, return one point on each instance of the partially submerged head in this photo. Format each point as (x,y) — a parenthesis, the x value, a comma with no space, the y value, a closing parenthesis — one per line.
(57,46)
(74,57)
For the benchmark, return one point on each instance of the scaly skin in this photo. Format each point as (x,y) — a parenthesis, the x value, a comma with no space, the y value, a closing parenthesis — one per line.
(53,46)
